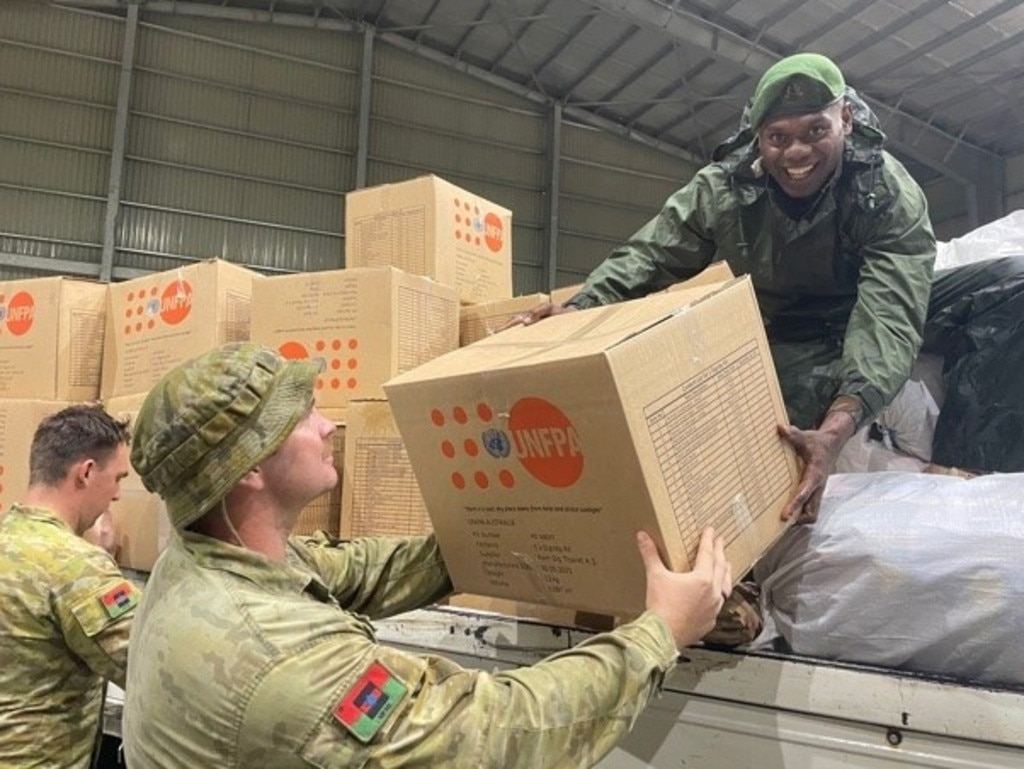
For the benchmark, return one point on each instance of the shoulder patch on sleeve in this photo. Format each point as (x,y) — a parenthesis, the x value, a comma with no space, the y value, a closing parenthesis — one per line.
(365,707)
(119,599)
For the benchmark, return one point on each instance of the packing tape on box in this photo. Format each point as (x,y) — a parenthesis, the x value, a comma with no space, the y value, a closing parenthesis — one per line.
(536,577)
(743,519)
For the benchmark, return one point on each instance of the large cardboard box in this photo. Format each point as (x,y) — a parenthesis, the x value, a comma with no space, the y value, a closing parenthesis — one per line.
(428,226)
(19,419)
(155,323)
(381,496)
(139,518)
(365,325)
(477,321)
(542,450)
(324,512)
(51,338)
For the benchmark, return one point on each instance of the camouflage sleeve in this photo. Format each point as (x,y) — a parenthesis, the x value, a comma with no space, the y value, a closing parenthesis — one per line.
(378,577)
(886,325)
(675,245)
(376,706)
(95,613)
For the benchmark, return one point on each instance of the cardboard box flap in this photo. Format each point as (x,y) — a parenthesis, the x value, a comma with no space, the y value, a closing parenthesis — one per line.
(562,337)
(691,297)
(716,272)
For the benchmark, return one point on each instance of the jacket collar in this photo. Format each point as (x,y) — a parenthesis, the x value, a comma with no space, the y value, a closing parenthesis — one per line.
(293,576)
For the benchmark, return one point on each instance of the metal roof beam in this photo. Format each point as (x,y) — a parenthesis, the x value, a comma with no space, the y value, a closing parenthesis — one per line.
(117,153)
(603,56)
(912,136)
(922,50)
(930,145)
(892,30)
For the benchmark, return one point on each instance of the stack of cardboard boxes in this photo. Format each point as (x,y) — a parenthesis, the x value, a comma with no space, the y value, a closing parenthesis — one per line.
(455,248)
(538,452)
(153,324)
(462,243)
(66,341)
(364,325)
(415,250)
(51,341)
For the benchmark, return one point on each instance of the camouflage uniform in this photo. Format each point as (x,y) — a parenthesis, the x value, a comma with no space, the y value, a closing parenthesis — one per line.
(241,661)
(59,638)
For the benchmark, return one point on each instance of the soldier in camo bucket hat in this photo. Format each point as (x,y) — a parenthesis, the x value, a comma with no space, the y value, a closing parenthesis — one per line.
(212,419)
(255,648)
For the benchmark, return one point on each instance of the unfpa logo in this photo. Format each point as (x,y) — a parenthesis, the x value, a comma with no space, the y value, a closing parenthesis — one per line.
(18,314)
(471,225)
(176,302)
(546,442)
(494,232)
(143,307)
(538,436)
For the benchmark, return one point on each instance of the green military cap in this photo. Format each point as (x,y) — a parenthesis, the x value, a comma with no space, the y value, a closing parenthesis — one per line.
(212,419)
(796,85)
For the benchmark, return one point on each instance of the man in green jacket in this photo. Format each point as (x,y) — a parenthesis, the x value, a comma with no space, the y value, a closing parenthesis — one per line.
(835,236)
(255,649)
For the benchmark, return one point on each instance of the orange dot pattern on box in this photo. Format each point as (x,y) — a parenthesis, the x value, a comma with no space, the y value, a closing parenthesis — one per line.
(538,438)
(339,358)
(149,308)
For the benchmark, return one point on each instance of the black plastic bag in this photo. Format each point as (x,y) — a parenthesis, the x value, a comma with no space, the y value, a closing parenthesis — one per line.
(976,321)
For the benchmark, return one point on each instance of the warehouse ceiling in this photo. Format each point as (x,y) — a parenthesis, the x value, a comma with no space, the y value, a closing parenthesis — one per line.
(946,78)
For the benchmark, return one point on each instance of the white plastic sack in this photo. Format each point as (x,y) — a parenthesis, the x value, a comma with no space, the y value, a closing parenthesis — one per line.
(1003,237)
(906,570)
(906,426)
(865,454)
(909,421)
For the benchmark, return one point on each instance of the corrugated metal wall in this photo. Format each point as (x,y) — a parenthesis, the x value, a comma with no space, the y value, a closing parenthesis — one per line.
(240,144)
(58,90)
(240,139)
(428,118)
(610,187)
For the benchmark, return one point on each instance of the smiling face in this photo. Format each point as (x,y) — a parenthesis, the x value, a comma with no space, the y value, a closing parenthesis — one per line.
(801,152)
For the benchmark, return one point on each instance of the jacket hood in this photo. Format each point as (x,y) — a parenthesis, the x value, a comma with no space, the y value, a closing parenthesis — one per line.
(864,145)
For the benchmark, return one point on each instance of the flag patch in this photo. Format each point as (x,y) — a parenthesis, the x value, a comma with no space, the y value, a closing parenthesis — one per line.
(119,600)
(367,705)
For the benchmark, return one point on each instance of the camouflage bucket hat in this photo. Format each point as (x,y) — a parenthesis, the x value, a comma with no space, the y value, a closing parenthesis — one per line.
(212,419)
(796,85)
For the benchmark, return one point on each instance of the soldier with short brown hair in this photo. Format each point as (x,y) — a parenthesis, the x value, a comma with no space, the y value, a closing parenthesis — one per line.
(65,608)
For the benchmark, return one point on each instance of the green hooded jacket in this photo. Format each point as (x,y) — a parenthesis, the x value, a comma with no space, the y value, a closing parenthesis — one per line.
(853,272)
